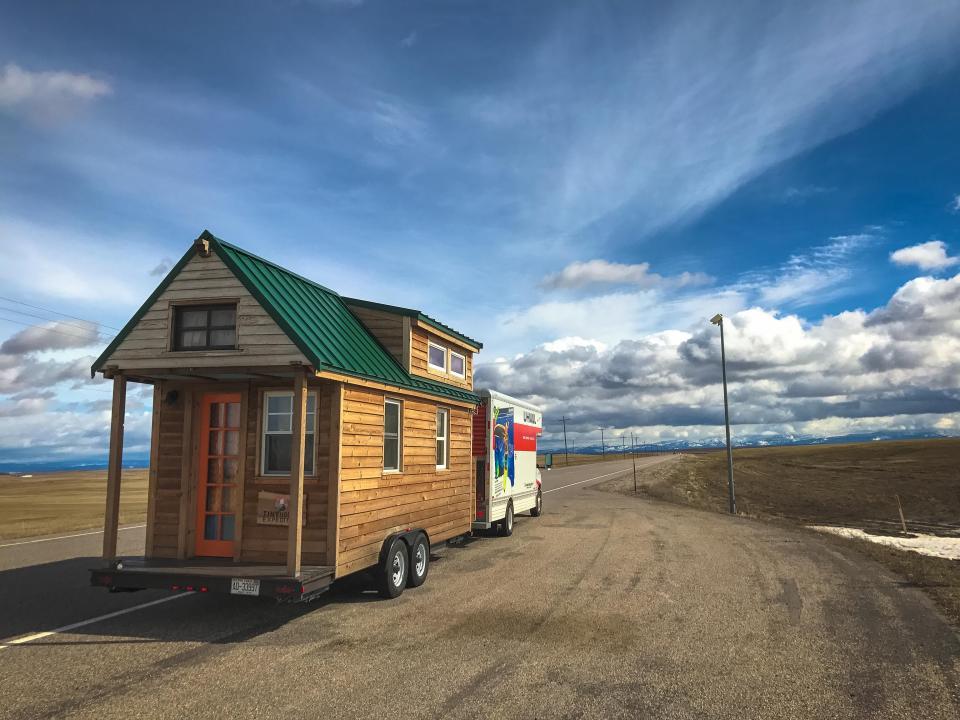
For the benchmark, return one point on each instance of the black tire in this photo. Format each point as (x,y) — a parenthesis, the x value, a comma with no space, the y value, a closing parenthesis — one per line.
(392,573)
(537,509)
(419,561)
(505,528)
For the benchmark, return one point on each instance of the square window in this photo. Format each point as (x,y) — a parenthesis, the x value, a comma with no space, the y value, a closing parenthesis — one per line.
(205,327)
(277,434)
(458,364)
(437,357)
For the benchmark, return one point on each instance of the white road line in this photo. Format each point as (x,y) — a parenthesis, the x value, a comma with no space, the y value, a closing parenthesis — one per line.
(580,482)
(67,537)
(67,628)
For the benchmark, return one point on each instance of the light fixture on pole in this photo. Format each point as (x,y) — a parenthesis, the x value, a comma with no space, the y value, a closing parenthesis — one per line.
(718,320)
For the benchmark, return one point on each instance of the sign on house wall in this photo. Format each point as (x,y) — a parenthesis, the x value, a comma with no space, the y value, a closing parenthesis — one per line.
(274,509)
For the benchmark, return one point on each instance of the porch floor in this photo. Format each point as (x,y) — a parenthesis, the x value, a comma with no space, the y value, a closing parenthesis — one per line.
(219,567)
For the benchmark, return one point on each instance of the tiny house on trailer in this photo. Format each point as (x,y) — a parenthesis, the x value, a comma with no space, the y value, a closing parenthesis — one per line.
(298,435)
(505,432)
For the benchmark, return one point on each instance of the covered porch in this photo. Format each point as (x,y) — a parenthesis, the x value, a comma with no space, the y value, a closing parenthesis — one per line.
(243,479)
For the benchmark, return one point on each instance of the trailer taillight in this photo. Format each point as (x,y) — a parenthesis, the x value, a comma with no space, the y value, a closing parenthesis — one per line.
(174,587)
(480,513)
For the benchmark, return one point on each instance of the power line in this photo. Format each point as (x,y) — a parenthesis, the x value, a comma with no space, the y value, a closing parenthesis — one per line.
(57,312)
(56,320)
(53,330)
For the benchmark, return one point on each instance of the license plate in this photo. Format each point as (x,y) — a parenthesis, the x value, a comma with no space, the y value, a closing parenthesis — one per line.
(243,586)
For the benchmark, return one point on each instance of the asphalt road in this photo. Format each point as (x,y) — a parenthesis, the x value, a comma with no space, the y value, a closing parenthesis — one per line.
(606,606)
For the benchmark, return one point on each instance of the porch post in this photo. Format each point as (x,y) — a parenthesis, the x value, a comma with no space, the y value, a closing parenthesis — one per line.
(111,516)
(298,431)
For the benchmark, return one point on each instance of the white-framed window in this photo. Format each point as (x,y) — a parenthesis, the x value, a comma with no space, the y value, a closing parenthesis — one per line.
(458,365)
(437,357)
(276,439)
(443,438)
(392,435)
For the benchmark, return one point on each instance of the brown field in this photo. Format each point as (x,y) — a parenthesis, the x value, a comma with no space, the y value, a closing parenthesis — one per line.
(855,485)
(50,503)
(583,459)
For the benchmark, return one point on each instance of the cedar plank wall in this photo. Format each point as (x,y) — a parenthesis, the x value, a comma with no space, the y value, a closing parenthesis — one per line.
(268,543)
(373,503)
(418,359)
(203,279)
(260,543)
(167,491)
(386,327)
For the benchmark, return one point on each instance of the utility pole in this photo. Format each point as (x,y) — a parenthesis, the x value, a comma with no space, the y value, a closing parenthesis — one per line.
(566,455)
(633,454)
(718,320)
(603,447)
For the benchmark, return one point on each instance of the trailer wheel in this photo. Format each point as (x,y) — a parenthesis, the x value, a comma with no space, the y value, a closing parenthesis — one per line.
(537,509)
(392,574)
(419,561)
(505,529)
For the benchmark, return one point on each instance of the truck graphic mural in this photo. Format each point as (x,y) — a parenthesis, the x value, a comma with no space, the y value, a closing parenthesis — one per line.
(502,450)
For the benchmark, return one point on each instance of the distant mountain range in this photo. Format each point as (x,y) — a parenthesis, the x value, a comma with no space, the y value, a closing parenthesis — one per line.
(100,463)
(757,441)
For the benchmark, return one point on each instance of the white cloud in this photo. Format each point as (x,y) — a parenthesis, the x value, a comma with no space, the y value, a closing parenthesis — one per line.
(896,368)
(409,40)
(926,256)
(955,205)
(603,272)
(55,335)
(47,90)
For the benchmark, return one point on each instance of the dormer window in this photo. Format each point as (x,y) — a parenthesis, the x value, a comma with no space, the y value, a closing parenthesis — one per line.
(437,357)
(205,327)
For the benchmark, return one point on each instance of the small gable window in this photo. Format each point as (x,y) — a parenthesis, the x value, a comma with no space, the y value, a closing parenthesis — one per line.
(205,327)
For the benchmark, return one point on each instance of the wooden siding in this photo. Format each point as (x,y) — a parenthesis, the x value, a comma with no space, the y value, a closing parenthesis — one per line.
(386,327)
(418,359)
(173,478)
(374,504)
(259,339)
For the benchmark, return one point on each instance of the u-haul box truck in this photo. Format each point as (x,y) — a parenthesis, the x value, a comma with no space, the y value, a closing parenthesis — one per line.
(505,432)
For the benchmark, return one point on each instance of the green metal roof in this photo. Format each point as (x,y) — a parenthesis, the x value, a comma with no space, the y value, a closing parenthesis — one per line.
(419,315)
(315,318)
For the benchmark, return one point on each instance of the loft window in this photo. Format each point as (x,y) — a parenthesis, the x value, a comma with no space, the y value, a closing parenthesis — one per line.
(277,439)
(437,357)
(205,327)
(458,364)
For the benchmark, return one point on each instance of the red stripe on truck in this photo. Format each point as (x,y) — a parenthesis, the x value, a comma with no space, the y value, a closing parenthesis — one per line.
(525,437)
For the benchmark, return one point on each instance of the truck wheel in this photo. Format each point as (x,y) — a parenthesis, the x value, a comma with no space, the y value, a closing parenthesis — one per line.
(419,561)
(537,509)
(392,574)
(506,525)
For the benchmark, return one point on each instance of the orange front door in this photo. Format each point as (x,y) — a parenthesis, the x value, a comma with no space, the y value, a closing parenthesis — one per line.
(218,485)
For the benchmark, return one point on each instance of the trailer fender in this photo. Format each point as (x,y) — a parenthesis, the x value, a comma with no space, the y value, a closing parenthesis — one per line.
(408,536)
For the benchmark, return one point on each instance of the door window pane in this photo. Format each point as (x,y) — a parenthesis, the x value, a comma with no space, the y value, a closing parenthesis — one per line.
(214,470)
(210,527)
(233,415)
(226,527)
(213,499)
(232,444)
(216,442)
(230,471)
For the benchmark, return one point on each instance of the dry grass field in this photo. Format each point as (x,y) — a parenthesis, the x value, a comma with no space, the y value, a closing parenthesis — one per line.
(559,460)
(50,503)
(855,485)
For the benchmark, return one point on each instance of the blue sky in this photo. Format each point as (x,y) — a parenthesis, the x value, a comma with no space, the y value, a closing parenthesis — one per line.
(552,178)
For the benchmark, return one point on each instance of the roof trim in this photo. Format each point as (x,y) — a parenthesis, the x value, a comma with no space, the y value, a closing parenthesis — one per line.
(419,316)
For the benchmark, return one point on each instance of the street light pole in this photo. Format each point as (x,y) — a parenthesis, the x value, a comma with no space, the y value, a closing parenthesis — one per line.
(718,320)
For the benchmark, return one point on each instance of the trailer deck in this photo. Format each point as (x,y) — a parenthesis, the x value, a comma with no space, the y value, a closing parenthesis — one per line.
(213,575)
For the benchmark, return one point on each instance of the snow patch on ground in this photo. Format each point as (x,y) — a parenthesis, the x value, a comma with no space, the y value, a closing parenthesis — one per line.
(944,547)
